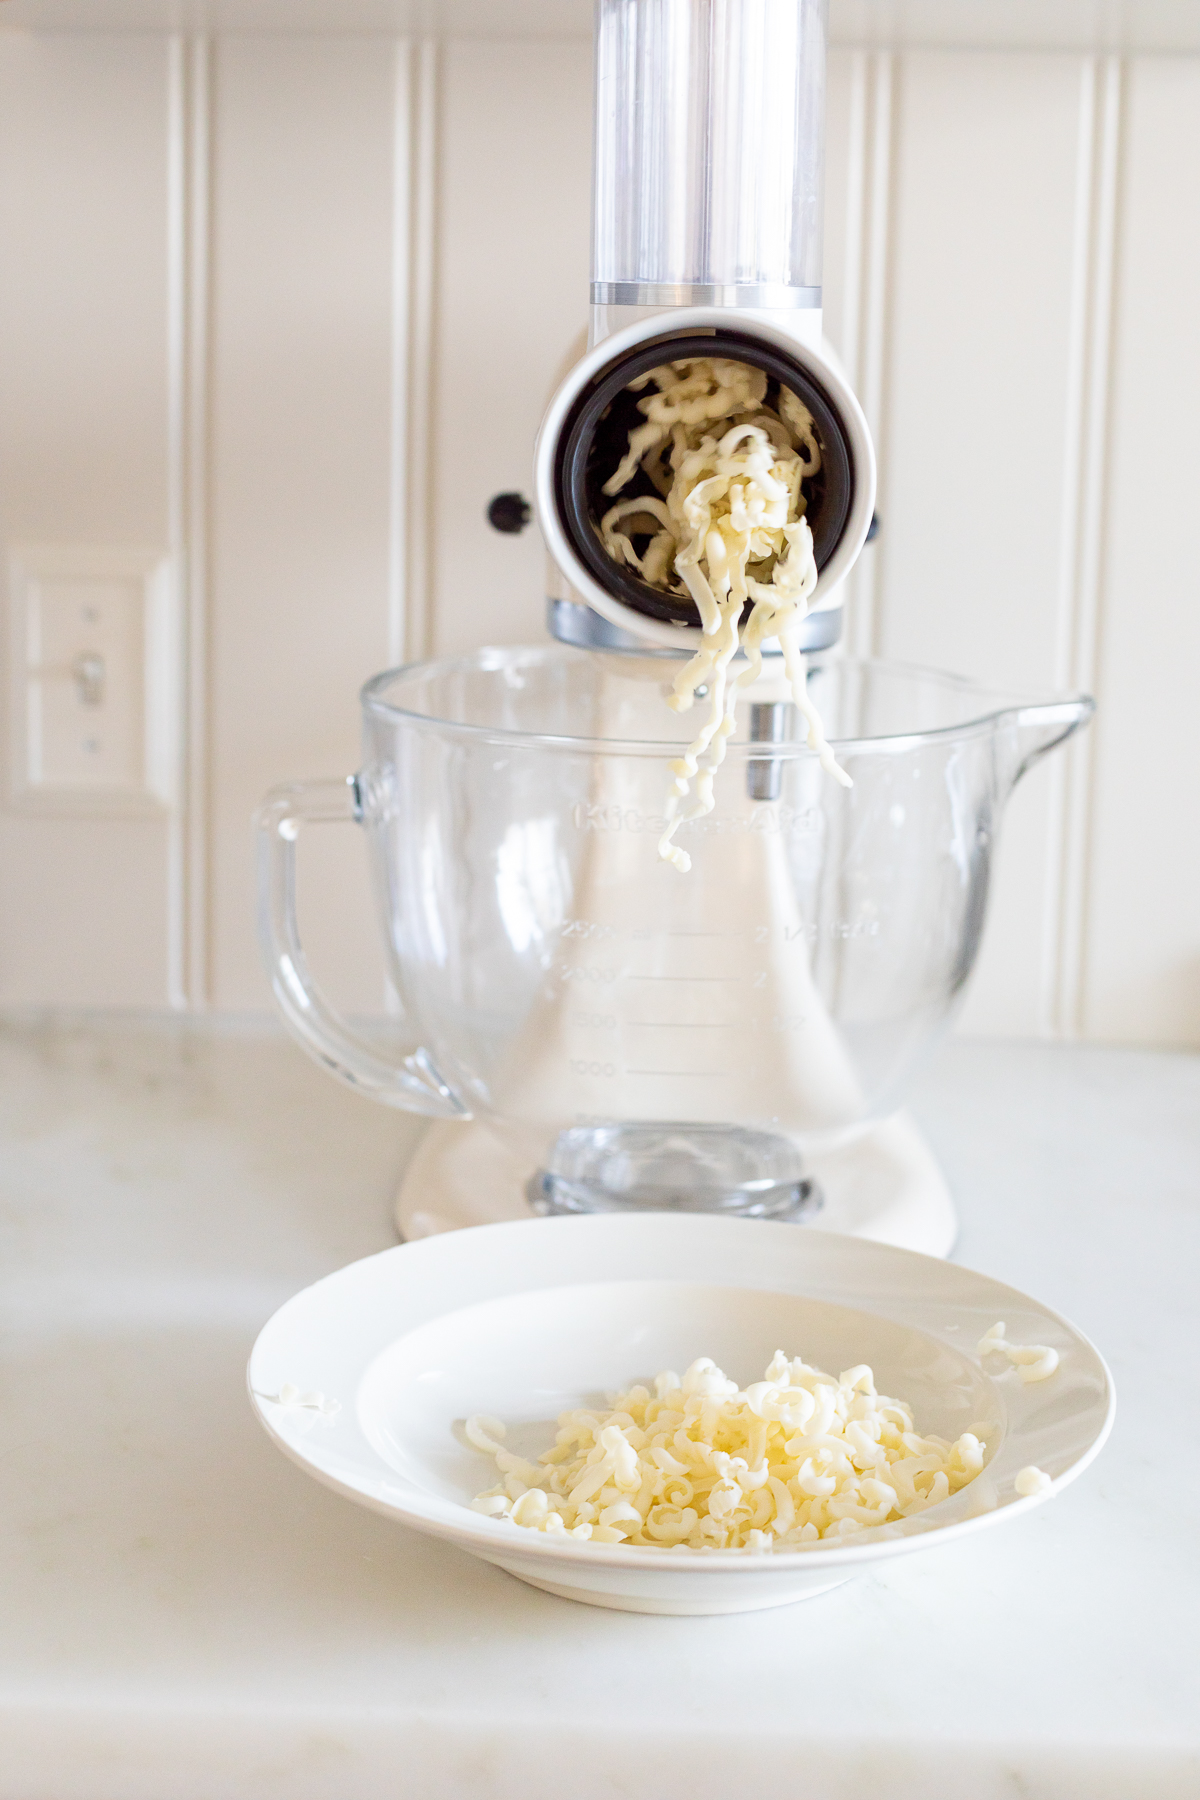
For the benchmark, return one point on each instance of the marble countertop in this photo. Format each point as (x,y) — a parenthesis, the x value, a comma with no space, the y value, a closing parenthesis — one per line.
(185,1616)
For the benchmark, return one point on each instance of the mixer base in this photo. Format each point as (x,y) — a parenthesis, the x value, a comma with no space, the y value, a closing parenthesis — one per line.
(887,1186)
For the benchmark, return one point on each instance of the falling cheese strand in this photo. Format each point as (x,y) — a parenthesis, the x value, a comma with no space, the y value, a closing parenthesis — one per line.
(727,530)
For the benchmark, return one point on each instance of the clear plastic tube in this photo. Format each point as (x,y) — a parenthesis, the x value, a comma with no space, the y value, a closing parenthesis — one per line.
(708,183)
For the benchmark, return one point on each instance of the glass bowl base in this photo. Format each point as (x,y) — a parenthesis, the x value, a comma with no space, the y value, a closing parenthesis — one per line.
(667,1166)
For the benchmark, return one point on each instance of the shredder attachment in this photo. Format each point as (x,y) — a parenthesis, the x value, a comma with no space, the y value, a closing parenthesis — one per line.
(707,229)
(596,435)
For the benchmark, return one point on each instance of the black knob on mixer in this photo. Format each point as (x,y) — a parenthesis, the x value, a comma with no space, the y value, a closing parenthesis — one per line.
(509,513)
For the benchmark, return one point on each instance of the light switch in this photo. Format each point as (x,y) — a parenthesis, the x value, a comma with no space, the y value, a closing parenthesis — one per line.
(91,675)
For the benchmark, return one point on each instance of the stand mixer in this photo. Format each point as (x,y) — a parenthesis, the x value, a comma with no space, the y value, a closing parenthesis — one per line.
(598,1031)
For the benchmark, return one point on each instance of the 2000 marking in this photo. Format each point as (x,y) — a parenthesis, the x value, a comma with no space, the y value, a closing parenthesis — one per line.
(592,1068)
(584,974)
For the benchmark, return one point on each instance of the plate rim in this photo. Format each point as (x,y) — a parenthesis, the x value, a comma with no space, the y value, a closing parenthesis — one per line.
(436,1514)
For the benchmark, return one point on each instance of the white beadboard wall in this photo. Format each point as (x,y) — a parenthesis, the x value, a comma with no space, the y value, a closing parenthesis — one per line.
(261,279)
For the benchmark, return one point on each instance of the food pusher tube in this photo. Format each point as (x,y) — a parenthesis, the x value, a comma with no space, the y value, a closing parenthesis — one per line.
(709,151)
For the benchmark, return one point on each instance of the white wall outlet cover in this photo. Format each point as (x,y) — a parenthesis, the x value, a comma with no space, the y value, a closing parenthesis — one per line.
(91,634)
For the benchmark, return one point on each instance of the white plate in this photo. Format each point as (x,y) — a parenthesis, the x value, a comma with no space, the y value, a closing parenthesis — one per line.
(524,1320)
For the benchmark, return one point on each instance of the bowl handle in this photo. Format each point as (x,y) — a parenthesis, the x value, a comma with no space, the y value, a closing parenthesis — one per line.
(412,1083)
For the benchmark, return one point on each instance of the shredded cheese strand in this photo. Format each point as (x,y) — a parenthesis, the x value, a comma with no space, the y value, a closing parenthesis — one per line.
(730,532)
(1033,1362)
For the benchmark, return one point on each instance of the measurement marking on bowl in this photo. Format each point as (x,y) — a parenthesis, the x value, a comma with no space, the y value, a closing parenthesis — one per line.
(691,1074)
(681,978)
(649,935)
(679,1025)
(645,935)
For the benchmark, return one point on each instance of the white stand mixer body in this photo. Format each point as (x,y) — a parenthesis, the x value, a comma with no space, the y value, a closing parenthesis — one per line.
(557,976)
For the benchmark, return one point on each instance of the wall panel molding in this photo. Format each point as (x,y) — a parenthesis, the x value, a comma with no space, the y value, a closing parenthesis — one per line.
(1141,970)
(1081,572)
(302,576)
(414,298)
(981,321)
(1048,25)
(189,136)
(513,251)
(864,293)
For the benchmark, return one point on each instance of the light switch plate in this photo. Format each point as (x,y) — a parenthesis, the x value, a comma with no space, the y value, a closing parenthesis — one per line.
(91,665)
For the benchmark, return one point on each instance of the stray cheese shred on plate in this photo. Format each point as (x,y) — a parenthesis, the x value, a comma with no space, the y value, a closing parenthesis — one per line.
(797,1459)
(726,527)
(1033,1362)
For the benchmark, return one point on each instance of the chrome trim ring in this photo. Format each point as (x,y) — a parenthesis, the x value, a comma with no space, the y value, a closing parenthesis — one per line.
(765,295)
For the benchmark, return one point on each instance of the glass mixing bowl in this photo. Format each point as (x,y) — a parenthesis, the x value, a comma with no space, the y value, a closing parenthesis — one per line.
(643,1037)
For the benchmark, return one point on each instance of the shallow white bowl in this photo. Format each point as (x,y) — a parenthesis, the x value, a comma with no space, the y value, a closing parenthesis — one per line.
(524,1320)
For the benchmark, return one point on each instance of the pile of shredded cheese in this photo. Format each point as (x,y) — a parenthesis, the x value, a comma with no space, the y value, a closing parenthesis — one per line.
(727,527)
(796,1459)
